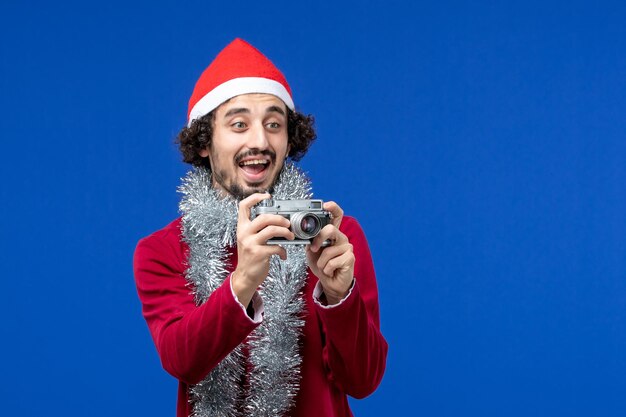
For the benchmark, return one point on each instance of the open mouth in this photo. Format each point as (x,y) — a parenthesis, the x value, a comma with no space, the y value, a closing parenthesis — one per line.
(254,169)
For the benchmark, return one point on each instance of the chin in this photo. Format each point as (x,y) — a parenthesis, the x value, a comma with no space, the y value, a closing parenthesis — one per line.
(256,188)
(262,187)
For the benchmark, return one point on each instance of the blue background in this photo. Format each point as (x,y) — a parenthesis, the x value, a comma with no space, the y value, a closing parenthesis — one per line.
(480,144)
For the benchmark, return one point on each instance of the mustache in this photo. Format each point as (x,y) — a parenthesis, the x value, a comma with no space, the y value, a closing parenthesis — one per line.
(255,152)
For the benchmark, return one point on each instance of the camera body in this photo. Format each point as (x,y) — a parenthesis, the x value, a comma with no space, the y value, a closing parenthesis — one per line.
(307,218)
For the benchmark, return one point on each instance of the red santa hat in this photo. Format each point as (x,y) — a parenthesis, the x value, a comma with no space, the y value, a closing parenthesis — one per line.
(238,69)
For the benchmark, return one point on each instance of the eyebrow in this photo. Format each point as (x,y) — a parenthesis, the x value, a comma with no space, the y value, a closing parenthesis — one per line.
(240,110)
(236,110)
(275,109)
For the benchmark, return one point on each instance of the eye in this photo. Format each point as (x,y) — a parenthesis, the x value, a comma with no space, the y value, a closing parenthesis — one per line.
(273,125)
(239,125)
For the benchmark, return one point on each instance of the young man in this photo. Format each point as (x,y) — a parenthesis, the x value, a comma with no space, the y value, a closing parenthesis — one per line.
(246,332)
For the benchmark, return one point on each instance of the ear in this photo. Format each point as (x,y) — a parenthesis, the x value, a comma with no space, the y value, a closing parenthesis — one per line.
(204,152)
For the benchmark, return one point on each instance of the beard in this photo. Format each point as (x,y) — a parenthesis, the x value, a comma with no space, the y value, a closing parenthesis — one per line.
(238,191)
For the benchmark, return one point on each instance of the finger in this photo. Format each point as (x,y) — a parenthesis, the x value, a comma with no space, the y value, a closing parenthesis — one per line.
(344,261)
(310,253)
(311,256)
(262,253)
(270,232)
(265,220)
(329,232)
(332,252)
(247,203)
(276,250)
(335,211)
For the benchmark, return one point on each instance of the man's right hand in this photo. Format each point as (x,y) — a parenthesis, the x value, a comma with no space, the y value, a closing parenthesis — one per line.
(253,252)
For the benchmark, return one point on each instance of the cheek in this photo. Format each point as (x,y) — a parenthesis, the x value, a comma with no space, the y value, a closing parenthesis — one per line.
(224,144)
(221,154)
(282,147)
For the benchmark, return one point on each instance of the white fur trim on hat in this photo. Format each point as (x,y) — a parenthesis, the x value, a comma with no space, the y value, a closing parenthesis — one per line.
(236,87)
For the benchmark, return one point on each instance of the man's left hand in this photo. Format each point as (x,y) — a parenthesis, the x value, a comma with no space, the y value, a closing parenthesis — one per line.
(333,265)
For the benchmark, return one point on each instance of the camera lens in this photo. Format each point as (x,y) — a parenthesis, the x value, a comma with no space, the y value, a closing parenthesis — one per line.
(309,224)
(305,225)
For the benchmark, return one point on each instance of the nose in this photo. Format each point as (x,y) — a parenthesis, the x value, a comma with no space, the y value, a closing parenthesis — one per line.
(257,139)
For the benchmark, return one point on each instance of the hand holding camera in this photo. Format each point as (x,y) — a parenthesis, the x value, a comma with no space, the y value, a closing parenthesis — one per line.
(265,225)
(332,265)
(253,252)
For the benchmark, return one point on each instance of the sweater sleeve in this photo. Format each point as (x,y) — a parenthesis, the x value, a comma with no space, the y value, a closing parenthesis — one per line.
(191,340)
(355,352)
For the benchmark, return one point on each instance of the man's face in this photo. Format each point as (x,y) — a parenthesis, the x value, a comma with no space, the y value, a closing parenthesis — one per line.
(249,144)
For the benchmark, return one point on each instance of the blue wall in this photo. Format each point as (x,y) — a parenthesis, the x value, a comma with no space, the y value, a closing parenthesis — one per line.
(480,144)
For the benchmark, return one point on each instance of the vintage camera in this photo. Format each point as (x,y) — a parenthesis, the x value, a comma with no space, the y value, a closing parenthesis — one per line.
(307,218)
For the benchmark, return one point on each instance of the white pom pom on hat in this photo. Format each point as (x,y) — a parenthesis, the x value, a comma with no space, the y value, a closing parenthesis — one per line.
(238,69)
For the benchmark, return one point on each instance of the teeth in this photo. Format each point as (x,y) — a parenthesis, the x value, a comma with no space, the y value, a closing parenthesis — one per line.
(254,162)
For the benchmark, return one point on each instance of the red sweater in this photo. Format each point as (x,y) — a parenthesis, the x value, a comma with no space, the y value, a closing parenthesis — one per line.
(343,351)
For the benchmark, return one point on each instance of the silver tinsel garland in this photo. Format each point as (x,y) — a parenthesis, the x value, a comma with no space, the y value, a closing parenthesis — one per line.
(209,228)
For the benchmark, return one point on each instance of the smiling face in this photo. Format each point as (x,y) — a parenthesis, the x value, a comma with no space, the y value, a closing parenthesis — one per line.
(249,144)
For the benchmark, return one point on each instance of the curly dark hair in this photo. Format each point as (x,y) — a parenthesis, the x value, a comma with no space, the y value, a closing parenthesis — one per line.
(198,136)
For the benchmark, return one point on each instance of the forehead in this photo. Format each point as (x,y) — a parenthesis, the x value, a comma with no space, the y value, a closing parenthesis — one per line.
(253,102)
